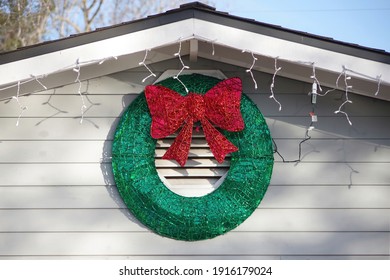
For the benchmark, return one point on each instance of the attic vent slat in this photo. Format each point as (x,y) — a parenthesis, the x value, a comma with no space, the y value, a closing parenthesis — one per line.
(201,174)
(192,172)
(194,153)
(195,143)
(193,163)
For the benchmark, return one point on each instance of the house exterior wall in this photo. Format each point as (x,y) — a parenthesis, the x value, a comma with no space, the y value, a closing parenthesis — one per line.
(58,198)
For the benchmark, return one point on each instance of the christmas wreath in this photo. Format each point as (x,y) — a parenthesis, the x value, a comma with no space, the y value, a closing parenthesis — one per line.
(166,107)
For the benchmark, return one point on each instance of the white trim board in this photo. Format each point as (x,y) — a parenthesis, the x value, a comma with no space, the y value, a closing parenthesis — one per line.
(126,46)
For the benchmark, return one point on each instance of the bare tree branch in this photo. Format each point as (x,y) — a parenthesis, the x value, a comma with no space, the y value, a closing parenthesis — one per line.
(96,11)
(68,21)
(24,22)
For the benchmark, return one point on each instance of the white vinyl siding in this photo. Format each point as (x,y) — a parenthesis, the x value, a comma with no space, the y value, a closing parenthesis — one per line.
(58,198)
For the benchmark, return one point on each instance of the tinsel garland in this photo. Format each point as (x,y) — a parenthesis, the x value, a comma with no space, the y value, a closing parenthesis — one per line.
(191,218)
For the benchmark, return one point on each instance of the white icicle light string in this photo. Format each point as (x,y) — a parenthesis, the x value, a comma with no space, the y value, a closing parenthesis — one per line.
(379,77)
(107,58)
(39,82)
(212,41)
(277,69)
(347,87)
(100,61)
(147,68)
(314,77)
(178,54)
(77,69)
(253,65)
(21,107)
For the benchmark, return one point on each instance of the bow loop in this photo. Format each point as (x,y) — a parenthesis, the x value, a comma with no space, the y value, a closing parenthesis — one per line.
(168,110)
(220,106)
(223,105)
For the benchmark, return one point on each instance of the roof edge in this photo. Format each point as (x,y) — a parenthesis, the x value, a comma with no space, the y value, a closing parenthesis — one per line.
(199,11)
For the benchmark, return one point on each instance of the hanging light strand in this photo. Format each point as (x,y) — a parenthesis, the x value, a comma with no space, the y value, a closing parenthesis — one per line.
(299,159)
(347,100)
(253,65)
(337,84)
(213,47)
(314,77)
(21,107)
(107,58)
(77,69)
(38,81)
(379,78)
(277,69)
(178,54)
(143,63)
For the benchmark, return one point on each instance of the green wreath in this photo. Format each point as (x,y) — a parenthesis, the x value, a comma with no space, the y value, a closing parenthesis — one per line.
(191,218)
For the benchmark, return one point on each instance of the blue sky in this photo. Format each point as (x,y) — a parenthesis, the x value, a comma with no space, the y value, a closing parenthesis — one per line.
(363,22)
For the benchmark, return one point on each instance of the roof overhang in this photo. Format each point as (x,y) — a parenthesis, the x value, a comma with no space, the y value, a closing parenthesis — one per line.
(199,32)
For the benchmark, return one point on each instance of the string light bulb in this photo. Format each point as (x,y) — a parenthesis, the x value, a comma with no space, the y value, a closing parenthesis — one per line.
(379,78)
(178,54)
(21,107)
(277,69)
(314,93)
(347,100)
(77,69)
(107,58)
(147,68)
(254,59)
(38,81)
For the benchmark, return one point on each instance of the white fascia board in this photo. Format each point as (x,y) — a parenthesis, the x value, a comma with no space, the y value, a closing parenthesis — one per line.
(117,46)
(289,51)
(186,29)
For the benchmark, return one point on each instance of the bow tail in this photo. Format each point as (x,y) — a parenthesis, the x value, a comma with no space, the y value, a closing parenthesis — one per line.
(181,146)
(219,145)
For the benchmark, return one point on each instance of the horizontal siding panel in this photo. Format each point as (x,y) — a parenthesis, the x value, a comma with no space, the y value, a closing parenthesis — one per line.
(288,220)
(68,106)
(274,243)
(331,174)
(53,151)
(192,172)
(115,84)
(193,153)
(314,150)
(283,174)
(58,129)
(120,220)
(53,128)
(54,174)
(60,197)
(335,150)
(330,127)
(327,197)
(299,104)
(277,197)
(194,182)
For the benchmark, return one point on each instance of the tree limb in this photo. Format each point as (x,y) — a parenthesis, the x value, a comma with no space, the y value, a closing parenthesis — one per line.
(71,23)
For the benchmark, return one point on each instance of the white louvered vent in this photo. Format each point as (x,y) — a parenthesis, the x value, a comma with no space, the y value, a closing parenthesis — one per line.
(202,173)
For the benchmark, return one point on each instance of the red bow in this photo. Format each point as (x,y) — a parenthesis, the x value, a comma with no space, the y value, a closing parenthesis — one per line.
(220,105)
